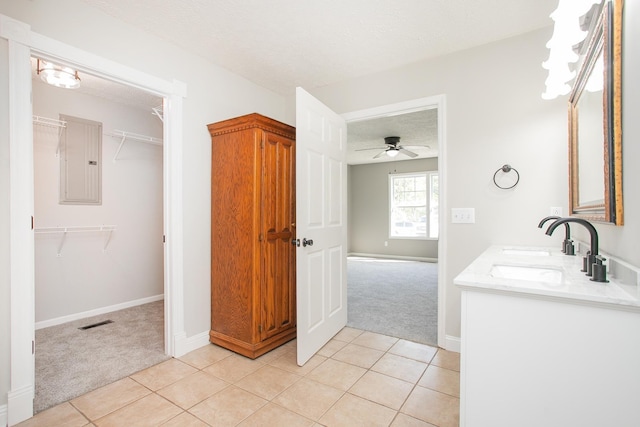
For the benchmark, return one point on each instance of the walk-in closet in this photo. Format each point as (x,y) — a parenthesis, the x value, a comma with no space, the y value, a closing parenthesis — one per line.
(98,224)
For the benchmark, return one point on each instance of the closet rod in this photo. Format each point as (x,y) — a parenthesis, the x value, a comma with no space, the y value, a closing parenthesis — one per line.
(124,135)
(46,121)
(74,229)
(77,229)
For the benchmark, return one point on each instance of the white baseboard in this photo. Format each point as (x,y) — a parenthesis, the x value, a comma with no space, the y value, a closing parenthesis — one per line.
(97,311)
(185,345)
(21,403)
(179,345)
(452,343)
(3,416)
(406,258)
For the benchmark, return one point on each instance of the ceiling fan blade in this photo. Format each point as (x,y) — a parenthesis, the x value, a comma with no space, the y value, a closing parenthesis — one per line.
(366,149)
(380,154)
(417,146)
(407,152)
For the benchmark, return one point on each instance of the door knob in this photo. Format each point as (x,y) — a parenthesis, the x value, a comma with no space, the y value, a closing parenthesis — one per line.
(306,242)
(295,242)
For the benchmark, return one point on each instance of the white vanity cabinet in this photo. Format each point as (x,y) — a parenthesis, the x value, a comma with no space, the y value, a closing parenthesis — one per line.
(546,358)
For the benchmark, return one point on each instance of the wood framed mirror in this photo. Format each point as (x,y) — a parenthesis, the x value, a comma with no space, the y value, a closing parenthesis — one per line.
(595,122)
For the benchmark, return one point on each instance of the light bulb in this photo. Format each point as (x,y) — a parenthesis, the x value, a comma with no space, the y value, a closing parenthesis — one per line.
(59,76)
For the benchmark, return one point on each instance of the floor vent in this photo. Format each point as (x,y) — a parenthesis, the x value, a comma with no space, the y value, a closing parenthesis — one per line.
(106,322)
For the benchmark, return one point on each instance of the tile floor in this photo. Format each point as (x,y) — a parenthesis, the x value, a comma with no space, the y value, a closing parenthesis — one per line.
(358,379)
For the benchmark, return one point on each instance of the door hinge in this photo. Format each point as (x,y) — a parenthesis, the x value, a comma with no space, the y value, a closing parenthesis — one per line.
(164,239)
(32,222)
(260,328)
(33,347)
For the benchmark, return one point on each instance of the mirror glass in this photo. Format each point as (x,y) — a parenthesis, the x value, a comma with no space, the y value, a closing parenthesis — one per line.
(590,139)
(595,126)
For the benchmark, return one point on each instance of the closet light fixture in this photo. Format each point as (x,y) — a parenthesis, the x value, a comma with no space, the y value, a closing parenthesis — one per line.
(58,75)
(567,33)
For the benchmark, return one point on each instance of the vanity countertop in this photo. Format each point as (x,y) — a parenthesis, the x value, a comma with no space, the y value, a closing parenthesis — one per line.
(544,272)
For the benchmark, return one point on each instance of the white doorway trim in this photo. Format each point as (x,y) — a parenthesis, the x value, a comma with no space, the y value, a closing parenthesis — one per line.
(22,42)
(439,102)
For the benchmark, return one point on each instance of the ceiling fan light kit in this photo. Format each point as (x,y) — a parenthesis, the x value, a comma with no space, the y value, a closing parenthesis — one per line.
(393,149)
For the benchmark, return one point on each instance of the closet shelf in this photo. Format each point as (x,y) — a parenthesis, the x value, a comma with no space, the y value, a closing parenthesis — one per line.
(49,122)
(109,229)
(46,121)
(134,136)
(158,111)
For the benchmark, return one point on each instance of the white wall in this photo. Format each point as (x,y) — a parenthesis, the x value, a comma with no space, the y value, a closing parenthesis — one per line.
(83,277)
(494,115)
(369,210)
(213,94)
(5,313)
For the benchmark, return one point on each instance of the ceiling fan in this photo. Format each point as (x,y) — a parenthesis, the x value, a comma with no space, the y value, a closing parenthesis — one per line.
(392,149)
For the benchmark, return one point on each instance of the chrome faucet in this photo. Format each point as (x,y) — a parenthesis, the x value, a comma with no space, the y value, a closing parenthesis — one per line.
(592,263)
(567,244)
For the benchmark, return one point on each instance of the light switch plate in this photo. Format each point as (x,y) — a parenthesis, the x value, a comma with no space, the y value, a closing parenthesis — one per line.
(463,215)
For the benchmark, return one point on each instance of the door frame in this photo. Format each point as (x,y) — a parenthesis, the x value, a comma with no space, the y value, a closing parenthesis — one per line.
(411,106)
(22,43)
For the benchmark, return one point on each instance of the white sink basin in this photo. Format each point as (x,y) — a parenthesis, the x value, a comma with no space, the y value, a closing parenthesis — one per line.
(525,251)
(533,274)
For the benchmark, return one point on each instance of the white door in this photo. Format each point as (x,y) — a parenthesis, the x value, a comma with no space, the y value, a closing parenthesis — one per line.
(321,217)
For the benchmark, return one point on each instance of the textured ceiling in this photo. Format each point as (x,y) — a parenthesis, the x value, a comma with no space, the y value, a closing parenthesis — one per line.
(282,44)
(418,133)
(111,91)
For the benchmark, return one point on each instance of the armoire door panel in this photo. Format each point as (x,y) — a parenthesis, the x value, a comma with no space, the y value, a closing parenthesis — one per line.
(278,186)
(278,217)
(276,296)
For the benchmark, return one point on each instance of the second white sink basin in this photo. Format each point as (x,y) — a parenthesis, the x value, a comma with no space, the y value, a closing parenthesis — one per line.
(533,274)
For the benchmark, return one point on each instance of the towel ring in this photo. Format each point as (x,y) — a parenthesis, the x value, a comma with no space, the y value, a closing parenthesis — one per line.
(506,169)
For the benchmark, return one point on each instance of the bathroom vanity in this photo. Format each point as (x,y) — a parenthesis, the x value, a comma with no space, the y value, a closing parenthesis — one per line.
(542,345)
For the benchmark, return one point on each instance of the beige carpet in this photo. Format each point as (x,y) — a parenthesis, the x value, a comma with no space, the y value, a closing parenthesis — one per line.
(71,362)
(393,297)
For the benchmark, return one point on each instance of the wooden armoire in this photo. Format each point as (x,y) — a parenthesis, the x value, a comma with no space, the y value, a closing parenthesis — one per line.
(253,265)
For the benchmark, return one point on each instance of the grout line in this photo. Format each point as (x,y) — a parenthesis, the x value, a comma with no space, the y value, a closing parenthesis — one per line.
(300,377)
(79,411)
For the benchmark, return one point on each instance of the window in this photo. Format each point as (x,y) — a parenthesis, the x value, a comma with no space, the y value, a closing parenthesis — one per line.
(413,205)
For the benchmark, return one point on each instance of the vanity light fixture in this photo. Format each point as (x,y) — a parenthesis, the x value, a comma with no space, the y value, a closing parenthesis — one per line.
(58,75)
(566,34)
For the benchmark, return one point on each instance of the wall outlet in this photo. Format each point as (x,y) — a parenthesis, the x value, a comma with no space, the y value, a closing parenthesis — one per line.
(555,211)
(463,215)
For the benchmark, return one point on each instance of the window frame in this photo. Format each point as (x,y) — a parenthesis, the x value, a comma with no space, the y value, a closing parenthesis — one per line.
(427,175)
